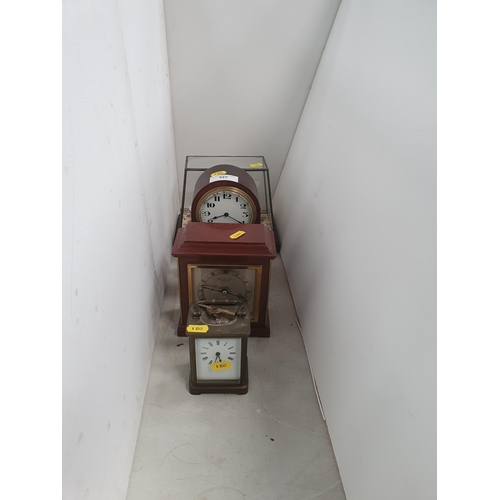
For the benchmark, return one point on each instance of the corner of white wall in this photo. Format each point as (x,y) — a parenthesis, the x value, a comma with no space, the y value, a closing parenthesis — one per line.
(356,212)
(120,202)
(241,72)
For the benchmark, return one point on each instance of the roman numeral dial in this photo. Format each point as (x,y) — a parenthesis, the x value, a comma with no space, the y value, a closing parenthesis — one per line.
(218,359)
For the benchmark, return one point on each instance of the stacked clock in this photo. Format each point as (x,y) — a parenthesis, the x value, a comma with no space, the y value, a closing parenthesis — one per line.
(225,194)
(218,334)
(213,264)
(224,254)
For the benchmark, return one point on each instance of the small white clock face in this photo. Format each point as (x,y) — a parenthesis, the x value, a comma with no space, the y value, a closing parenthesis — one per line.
(226,206)
(218,359)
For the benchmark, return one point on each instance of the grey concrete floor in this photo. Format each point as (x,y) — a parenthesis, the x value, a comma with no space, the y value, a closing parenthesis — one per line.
(270,444)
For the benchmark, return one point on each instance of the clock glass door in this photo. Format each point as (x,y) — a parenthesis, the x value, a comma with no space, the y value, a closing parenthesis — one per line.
(226,282)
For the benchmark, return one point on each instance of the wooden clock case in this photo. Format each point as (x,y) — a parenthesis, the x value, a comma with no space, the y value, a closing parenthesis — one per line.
(202,244)
(245,184)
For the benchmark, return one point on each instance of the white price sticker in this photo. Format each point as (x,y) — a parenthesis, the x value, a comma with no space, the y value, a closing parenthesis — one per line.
(232,178)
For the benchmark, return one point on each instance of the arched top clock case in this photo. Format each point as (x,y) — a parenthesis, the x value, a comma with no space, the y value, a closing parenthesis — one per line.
(225,186)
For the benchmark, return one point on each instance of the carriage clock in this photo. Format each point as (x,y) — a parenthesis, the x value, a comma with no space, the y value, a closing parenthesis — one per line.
(218,333)
(225,262)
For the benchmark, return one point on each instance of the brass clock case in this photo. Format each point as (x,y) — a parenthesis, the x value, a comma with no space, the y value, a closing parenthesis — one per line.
(218,338)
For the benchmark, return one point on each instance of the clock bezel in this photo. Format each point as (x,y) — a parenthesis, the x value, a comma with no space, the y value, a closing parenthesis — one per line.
(224,186)
(215,379)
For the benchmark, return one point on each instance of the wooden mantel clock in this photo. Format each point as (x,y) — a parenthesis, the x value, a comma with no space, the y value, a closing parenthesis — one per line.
(225,261)
(225,194)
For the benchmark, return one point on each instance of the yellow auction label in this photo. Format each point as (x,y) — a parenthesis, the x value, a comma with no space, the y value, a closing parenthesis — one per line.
(237,234)
(255,165)
(220,172)
(222,365)
(197,328)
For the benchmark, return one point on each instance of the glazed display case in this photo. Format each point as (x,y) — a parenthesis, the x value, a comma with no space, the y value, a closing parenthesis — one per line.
(254,166)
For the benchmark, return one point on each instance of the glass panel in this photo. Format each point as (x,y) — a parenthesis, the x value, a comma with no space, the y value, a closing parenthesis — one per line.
(255,166)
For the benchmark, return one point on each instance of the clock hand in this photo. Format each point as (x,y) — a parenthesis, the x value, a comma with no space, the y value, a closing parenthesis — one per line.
(217,355)
(226,215)
(238,221)
(218,216)
(224,291)
(212,288)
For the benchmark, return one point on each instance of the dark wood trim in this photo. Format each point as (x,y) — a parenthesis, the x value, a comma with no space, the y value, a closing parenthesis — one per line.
(209,244)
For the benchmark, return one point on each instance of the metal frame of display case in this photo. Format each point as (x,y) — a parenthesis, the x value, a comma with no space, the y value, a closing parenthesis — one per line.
(256,166)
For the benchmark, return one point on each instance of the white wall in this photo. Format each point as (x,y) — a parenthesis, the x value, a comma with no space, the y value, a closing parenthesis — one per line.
(120,201)
(241,72)
(356,211)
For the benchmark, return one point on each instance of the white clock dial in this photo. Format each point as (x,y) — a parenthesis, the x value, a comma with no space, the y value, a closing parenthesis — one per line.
(226,206)
(218,359)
